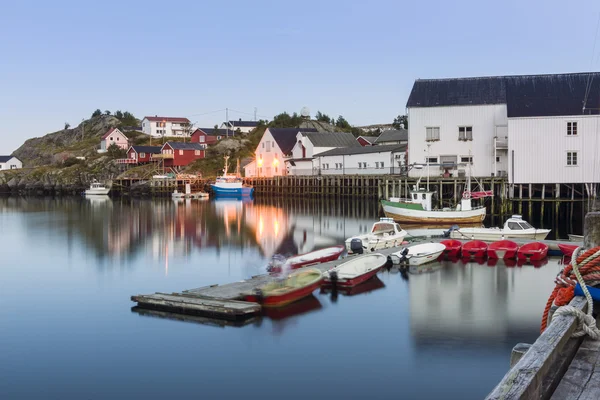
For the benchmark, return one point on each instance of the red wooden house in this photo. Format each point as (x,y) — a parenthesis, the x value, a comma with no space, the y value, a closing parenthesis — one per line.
(208,136)
(366,140)
(178,154)
(142,154)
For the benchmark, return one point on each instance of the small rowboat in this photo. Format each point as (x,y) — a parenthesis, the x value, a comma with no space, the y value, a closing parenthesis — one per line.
(356,271)
(534,251)
(567,249)
(303,260)
(296,286)
(453,247)
(474,249)
(503,249)
(419,254)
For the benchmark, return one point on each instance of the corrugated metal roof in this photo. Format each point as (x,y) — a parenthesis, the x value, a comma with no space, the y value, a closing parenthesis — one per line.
(216,132)
(332,139)
(4,159)
(457,92)
(147,149)
(393,135)
(286,137)
(363,150)
(185,146)
(243,124)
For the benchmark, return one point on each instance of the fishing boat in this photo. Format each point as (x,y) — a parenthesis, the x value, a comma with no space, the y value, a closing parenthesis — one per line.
(567,249)
(355,271)
(418,254)
(303,260)
(503,249)
(453,247)
(384,234)
(231,184)
(418,207)
(294,287)
(97,189)
(575,238)
(534,251)
(514,227)
(474,249)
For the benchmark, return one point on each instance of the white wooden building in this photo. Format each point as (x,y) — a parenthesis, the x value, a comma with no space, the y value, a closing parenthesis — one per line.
(10,162)
(368,160)
(239,125)
(310,144)
(166,126)
(530,128)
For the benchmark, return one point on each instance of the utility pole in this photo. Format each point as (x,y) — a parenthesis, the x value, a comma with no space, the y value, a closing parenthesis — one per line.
(227,122)
(254,114)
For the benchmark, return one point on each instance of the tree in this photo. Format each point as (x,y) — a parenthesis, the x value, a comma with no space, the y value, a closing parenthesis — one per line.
(187,128)
(342,123)
(119,114)
(96,113)
(400,121)
(67,125)
(319,116)
(107,112)
(128,119)
(285,120)
(115,152)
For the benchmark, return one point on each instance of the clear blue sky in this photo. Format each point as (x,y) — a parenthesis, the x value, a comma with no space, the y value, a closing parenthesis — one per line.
(61,60)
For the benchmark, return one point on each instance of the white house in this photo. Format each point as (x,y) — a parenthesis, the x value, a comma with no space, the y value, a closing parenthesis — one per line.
(242,126)
(167,126)
(116,137)
(367,160)
(530,128)
(10,162)
(309,144)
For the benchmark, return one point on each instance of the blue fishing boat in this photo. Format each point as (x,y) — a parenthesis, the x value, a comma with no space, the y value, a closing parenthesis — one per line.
(231,185)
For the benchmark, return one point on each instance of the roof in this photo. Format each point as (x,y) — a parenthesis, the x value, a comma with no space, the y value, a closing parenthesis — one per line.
(393,135)
(370,139)
(111,130)
(286,137)
(185,146)
(346,151)
(4,159)
(332,139)
(243,124)
(213,131)
(156,118)
(524,95)
(146,149)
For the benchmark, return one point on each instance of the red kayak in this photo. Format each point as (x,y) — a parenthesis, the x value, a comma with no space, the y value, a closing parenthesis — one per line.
(474,249)
(314,257)
(503,249)
(452,248)
(567,249)
(535,251)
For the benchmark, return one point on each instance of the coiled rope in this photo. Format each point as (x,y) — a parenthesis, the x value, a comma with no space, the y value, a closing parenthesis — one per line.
(585,270)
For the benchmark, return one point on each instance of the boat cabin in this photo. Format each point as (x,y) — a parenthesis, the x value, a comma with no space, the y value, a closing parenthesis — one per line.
(386,226)
(516,223)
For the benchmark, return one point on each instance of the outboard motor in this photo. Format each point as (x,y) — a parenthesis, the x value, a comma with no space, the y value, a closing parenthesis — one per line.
(333,277)
(403,258)
(356,245)
(452,228)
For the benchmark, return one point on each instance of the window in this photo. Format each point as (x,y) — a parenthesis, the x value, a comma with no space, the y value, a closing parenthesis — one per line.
(272,144)
(431,160)
(465,133)
(432,134)
(219,137)
(571,128)
(161,124)
(338,165)
(275,169)
(197,152)
(180,152)
(275,155)
(376,164)
(325,166)
(263,145)
(513,226)
(572,158)
(497,159)
(117,138)
(466,159)
(201,139)
(268,147)
(111,138)
(382,166)
(142,155)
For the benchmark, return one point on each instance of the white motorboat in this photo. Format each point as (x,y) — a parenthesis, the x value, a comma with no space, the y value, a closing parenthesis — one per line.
(575,238)
(355,271)
(514,227)
(384,234)
(97,189)
(418,254)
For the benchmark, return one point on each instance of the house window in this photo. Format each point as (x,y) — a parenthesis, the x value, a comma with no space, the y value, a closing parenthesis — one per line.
(571,128)
(268,147)
(338,165)
(362,165)
(218,137)
(572,158)
(117,138)
(465,133)
(466,159)
(197,152)
(276,170)
(201,139)
(497,159)
(382,164)
(111,138)
(275,155)
(431,160)
(142,155)
(180,152)
(432,134)
(325,166)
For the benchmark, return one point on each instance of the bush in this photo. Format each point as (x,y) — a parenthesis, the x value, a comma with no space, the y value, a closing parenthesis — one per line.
(71,161)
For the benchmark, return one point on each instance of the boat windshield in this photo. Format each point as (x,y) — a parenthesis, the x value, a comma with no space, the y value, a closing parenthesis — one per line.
(383,227)
(513,226)
(526,225)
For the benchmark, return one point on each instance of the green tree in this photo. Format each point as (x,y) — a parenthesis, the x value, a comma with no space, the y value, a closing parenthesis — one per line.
(67,125)
(115,152)
(187,129)
(96,113)
(342,123)
(400,121)
(285,120)
(107,112)
(323,117)
(119,114)
(128,119)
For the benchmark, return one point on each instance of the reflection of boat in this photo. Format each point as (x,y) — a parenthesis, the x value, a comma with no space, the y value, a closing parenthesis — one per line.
(419,254)
(452,248)
(384,233)
(279,293)
(514,227)
(97,188)
(535,251)
(368,286)
(508,262)
(355,271)
(302,306)
(423,269)
(567,249)
(231,184)
(314,257)
(575,238)
(505,249)
(98,199)
(534,263)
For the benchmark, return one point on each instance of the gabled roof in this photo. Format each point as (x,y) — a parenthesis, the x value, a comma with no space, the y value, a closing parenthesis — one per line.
(111,130)
(286,137)
(214,132)
(332,139)
(370,139)
(184,146)
(243,124)
(393,135)
(346,151)
(146,149)
(156,118)
(524,95)
(4,159)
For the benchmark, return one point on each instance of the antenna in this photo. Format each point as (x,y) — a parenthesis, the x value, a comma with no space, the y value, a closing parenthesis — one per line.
(254,114)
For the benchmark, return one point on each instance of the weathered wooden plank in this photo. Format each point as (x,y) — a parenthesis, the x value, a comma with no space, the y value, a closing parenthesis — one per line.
(518,352)
(217,322)
(526,379)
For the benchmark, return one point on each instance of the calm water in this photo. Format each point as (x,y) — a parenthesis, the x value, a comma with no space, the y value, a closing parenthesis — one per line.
(68,330)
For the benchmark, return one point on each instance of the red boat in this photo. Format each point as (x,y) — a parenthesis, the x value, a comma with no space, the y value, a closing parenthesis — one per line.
(534,251)
(296,286)
(474,249)
(567,249)
(314,257)
(452,248)
(504,249)
(355,271)
(303,306)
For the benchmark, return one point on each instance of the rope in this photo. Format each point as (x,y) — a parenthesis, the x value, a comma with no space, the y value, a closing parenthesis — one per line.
(584,269)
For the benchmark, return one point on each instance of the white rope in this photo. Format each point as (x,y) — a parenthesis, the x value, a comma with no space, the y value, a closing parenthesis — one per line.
(586,323)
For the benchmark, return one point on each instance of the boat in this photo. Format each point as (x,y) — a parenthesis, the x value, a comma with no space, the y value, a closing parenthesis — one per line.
(418,207)
(474,249)
(355,271)
(302,306)
(177,195)
(369,285)
(295,286)
(303,260)
(97,189)
(384,233)
(503,249)
(567,249)
(200,195)
(418,254)
(231,184)
(534,251)
(514,227)
(575,238)
(453,247)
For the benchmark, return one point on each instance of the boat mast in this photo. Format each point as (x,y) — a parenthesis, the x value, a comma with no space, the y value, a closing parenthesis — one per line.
(226,166)
(428,145)
(237,168)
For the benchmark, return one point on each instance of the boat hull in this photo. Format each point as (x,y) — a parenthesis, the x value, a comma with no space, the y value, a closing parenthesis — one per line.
(567,249)
(533,252)
(241,191)
(419,254)
(452,248)
(287,298)
(305,260)
(492,235)
(504,249)
(348,283)
(474,249)
(97,192)
(402,214)
(347,274)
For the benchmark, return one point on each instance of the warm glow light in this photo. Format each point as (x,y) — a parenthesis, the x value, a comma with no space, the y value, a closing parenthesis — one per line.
(275,162)
(260,226)
(276,227)
(259,162)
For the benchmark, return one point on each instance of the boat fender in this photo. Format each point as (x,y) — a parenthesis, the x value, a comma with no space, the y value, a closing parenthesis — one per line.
(594,292)
(466,195)
(333,277)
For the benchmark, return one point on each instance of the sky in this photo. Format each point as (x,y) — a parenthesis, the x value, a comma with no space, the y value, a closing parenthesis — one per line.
(61,60)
